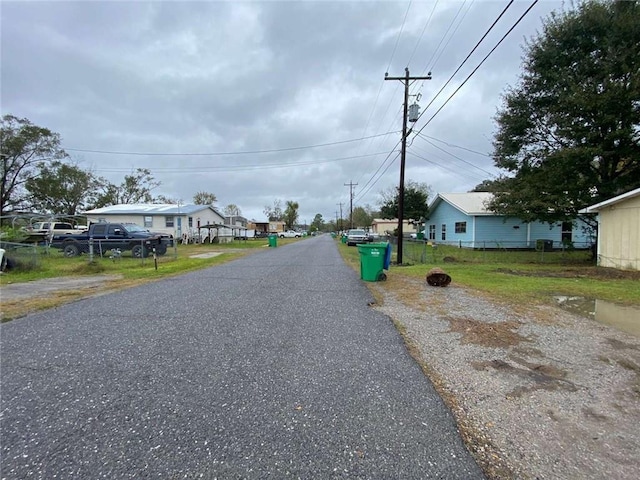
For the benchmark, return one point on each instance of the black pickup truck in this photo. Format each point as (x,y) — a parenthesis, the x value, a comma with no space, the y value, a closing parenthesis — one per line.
(112,236)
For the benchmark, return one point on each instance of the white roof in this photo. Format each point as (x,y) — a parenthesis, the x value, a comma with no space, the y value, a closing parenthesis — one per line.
(599,206)
(150,209)
(471,203)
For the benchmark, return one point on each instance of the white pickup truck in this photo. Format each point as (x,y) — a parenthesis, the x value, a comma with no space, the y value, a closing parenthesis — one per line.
(289,234)
(49,229)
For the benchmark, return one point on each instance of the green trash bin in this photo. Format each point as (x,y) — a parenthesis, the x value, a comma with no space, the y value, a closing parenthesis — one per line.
(344,239)
(372,261)
(273,240)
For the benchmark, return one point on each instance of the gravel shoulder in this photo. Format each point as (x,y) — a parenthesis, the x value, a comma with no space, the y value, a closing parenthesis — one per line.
(539,393)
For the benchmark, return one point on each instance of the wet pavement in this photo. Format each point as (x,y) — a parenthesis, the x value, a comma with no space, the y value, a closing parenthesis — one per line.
(272,365)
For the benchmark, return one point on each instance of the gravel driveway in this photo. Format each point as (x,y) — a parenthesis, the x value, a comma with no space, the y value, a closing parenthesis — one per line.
(540,393)
(272,365)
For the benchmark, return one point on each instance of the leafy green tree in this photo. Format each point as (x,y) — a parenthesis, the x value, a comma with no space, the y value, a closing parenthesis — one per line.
(291,214)
(23,146)
(204,198)
(569,133)
(416,197)
(60,188)
(317,224)
(362,217)
(136,188)
(274,213)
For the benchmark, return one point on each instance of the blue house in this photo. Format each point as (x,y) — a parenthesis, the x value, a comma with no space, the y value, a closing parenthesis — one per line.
(462,219)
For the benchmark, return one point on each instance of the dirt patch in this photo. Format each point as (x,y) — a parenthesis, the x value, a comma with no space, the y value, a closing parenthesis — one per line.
(498,334)
(537,376)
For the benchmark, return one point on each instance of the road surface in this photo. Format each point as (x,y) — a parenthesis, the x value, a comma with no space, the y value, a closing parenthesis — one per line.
(270,366)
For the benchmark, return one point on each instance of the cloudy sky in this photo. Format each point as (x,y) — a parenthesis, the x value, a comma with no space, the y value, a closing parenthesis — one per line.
(263,101)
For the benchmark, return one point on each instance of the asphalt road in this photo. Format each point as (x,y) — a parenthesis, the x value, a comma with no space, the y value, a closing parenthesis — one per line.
(270,366)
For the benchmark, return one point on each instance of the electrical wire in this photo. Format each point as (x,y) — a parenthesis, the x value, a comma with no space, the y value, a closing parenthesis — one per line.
(435,62)
(426,25)
(364,192)
(453,145)
(480,64)
(467,58)
(399,34)
(458,158)
(460,173)
(235,168)
(219,154)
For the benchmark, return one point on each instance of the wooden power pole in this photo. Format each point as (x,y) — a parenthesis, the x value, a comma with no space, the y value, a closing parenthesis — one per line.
(406,81)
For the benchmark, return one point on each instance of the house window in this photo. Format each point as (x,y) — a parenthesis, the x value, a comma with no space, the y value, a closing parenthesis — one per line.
(432,232)
(148,221)
(461,227)
(190,221)
(444,232)
(168,222)
(567,229)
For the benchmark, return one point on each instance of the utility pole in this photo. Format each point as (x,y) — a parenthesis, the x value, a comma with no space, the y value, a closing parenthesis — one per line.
(340,226)
(405,80)
(350,185)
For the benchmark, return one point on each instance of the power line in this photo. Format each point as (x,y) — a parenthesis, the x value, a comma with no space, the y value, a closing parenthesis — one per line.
(466,58)
(227,168)
(399,34)
(453,145)
(456,171)
(426,25)
(443,37)
(219,154)
(435,62)
(379,168)
(480,64)
(458,158)
(364,192)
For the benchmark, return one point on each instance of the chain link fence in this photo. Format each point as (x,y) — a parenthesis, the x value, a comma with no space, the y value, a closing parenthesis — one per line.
(536,251)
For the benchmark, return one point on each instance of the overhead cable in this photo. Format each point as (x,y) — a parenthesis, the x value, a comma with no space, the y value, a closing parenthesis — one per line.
(480,64)
(466,58)
(218,154)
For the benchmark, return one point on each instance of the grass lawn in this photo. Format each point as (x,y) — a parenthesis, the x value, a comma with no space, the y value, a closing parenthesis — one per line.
(518,277)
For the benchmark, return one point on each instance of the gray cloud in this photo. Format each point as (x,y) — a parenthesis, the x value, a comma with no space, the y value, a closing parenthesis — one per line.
(207,77)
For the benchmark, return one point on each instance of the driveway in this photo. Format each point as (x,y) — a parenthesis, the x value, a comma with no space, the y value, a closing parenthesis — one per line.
(272,365)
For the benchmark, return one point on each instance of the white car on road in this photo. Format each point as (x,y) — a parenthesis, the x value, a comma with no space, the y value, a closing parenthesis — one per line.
(290,234)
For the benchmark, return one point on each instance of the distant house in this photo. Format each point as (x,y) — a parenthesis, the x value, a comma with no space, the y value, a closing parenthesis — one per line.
(619,231)
(237,220)
(463,219)
(186,222)
(386,226)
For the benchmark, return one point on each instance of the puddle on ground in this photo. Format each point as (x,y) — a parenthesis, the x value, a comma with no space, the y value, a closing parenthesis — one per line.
(621,317)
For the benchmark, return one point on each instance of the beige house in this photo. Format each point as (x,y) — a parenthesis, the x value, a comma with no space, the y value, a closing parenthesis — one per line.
(384,226)
(619,231)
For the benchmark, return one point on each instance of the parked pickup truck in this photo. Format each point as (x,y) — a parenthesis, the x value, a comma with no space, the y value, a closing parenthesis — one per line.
(111,236)
(289,234)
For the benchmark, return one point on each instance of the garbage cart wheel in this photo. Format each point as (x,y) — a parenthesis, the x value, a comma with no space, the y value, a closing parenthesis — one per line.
(382,277)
